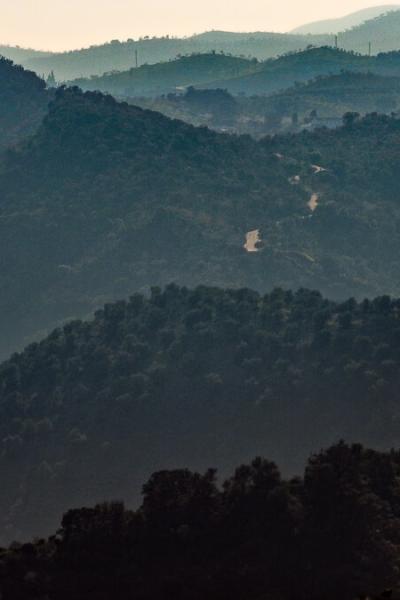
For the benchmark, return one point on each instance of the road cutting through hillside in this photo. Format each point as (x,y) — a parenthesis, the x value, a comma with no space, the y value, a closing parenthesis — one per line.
(252,239)
(313,202)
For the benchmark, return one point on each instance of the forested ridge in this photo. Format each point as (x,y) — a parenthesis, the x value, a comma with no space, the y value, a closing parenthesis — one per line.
(23,103)
(146,200)
(190,378)
(240,75)
(165,77)
(333,533)
(276,74)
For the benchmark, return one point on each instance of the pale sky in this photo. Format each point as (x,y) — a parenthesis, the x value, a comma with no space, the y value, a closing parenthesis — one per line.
(68,24)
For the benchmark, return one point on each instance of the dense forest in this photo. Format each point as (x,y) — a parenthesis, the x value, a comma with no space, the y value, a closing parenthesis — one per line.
(189,378)
(23,103)
(333,533)
(146,200)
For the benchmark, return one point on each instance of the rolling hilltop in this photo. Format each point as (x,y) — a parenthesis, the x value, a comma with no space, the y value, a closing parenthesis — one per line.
(108,198)
(165,77)
(120,56)
(240,76)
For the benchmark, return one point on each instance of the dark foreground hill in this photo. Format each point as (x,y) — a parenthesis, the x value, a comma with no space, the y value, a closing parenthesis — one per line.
(259,536)
(189,378)
(23,103)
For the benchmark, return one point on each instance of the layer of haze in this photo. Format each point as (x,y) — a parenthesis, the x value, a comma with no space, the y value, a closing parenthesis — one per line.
(68,24)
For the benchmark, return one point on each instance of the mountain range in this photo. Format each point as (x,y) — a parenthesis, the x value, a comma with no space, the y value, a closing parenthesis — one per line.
(221,350)
(380,31)
(237,75)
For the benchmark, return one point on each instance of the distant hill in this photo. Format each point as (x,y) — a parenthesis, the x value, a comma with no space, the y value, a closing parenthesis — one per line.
(238,75)
(20,55)
(278,74)
(121,56)
(343,23)
(23,103)
(166,77)
(382,32)
(320,102)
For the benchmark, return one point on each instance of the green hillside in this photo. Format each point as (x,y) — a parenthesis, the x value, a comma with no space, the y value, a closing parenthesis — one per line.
(121,56)
(344,23)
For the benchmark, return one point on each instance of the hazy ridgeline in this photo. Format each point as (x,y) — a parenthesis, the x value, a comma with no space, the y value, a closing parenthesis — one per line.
(381,32)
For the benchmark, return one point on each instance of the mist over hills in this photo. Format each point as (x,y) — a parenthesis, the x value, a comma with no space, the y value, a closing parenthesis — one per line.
(20,55)
(121,56)
(320,102)
(346,22)
(277,74)
(146,200)
(240,76)
(103,200)
(380,31)
(166,77)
